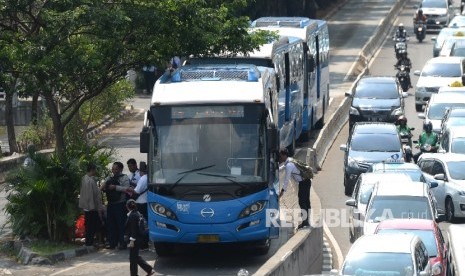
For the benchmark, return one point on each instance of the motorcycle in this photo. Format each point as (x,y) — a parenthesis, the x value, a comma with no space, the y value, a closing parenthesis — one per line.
(405,139)
(420,30)
(400,46)
(425,148)
(403,77)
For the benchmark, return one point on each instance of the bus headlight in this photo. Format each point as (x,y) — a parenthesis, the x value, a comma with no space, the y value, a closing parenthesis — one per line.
(436,269)
(253,209)
(163,211)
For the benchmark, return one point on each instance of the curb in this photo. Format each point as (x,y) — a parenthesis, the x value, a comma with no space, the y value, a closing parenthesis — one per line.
(108,122)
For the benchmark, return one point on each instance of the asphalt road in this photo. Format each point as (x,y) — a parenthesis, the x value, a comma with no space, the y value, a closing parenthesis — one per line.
(330,189)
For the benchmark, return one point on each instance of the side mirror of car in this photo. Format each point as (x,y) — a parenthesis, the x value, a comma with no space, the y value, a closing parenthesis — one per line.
(421,115)
(351,202)
(440,218)
(348,94)
(433,184)
(440,176)
(417,72)
(412,128)
(343,147)
(434,38)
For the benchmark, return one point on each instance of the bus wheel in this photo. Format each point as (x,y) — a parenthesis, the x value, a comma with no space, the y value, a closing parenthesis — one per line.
(163,249)
(262,247)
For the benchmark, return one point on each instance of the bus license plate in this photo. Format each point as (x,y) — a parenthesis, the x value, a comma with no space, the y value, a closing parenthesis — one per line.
(208,238)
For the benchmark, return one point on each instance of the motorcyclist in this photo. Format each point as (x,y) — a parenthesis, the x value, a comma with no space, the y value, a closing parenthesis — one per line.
(427,137)
(404,60)
(401,32)
(419,17)
(404,130)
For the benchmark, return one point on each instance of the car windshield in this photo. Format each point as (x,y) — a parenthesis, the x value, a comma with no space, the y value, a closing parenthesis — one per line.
(456,121)
(389,207)
(456,169)
(458,52)
(376,90)
(439,4)
(365,192)
(415,175)
(436,110)
(458,145)
(375,142)
(442,70)
(379,263)
(427,236)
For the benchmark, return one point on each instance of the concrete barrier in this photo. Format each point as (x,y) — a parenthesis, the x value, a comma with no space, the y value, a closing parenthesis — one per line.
(303,254)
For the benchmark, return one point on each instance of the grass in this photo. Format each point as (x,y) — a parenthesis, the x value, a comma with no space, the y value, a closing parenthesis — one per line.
(2,130)
(47,247)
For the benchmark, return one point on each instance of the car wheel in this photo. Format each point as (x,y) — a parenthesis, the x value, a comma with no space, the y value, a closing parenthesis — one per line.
(418,107)
(351,235)
(449,210)
(347,186)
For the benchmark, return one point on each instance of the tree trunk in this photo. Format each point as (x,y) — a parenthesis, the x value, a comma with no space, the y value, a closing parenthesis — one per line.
(35,108)
(58,127)
(9,120)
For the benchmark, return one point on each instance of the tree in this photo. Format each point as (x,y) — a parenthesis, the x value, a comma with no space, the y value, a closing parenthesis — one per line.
(78,49)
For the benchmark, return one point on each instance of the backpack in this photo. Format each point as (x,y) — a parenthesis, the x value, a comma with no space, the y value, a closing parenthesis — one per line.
(306,172)
(143,228)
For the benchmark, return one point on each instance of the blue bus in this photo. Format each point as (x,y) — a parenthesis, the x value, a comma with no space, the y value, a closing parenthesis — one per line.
(211,140)
(315,35)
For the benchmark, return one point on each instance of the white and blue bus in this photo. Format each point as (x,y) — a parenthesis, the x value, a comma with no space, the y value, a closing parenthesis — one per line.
(211,140)
(315,35)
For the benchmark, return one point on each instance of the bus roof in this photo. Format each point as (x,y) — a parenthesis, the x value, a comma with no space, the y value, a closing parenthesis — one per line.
(300,27)
(217,83)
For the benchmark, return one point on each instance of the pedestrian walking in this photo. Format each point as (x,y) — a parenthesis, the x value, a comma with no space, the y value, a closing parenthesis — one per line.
(90,201)
(304,185)
(139,194)
(135,240)
(115,189)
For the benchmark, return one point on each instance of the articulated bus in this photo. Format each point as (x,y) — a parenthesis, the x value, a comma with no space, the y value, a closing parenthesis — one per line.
(283,57)
(315,35)
(211,140)
(456,254)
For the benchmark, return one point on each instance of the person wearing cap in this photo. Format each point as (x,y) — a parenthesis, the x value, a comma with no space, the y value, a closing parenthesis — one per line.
(304,185)
(132,234)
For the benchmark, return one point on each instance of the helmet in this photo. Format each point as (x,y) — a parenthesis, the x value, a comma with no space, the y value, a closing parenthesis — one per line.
(427,126)
(401,25)
(401,119)
(420,12)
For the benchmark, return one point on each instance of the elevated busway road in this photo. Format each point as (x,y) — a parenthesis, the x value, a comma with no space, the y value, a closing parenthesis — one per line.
(350,28)
(329,184)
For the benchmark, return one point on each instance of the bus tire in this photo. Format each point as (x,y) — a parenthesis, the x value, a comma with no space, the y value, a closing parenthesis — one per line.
(164,249)
(262,248)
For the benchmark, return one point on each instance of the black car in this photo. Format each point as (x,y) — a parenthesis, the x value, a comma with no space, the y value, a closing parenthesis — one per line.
(368,143)
(376,99)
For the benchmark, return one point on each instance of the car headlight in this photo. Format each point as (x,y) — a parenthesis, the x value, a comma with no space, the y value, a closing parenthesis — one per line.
(353,111)
(352,163)
(420,90)
(436,269)
(397,112)
(253,209)
(163,211)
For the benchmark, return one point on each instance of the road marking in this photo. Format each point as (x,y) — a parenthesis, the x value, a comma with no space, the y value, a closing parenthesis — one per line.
(79,265)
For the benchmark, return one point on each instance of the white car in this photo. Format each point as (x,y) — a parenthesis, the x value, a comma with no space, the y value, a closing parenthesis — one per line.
(437,72)
(453,140)
(361,195)
(438,105)
(452,118)
(389,254)
(399,200)
(438,13)
(449,171)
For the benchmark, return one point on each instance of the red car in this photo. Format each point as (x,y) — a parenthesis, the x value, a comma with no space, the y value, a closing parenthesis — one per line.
(429,233)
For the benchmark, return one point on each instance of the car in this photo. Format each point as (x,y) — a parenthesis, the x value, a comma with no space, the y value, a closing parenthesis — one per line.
(443,35)
(449,43)
(439,13)
(437,107)
(452,89)
(360,197)
(368,143)
(453,140)
(406,199)
(448,170)
(458,49)
(457,21)
(396,254)
(437,72)
(429,233)
(410,169)
(453,117)
(377,99)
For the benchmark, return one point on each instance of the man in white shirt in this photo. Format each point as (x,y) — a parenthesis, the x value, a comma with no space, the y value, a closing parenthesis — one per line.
(141,193)
(135,174)
(304,185)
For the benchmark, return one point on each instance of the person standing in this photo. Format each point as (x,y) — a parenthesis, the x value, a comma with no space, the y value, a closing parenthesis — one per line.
(135,174)
(90,201)
(115,188)
(135,240)
(140,196)
(304,185)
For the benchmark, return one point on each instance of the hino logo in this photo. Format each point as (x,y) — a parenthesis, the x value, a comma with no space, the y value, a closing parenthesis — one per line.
(207,212)
(207,197)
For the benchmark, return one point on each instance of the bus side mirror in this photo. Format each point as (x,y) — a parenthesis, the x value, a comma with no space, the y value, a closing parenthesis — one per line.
(311,64)
(144,140)
(273,138)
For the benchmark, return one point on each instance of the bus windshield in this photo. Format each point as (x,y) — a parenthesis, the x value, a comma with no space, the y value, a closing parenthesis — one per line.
(209,145)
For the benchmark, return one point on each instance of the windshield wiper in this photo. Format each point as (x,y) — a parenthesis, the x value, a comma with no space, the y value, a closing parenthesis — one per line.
(184,173)
(227,177)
